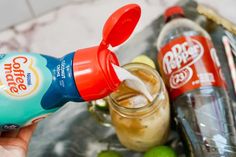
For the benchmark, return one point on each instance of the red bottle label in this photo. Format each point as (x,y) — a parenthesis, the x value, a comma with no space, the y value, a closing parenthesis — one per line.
(187,63)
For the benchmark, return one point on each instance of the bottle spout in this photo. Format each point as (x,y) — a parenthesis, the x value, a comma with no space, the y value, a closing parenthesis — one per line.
(94,75)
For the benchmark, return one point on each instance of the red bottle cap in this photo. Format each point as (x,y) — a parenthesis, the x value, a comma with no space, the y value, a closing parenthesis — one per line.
(93,71)
(175,10)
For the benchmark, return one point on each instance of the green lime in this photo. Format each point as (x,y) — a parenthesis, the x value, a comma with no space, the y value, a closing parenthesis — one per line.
(101,104)
(109,153)
(160,151)
(144,59)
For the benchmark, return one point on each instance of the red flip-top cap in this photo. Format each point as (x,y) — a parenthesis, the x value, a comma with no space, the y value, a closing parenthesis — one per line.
(93,71)
(121,24)
(174,10)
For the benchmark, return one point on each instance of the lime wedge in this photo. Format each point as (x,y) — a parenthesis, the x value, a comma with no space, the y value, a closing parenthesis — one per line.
(100,104)
(109,153)
(144,59)
(160,151)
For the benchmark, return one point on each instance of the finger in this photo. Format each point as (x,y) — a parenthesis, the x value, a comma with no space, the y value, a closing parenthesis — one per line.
(22,139)
(10,133)
(26,133)
(13,142)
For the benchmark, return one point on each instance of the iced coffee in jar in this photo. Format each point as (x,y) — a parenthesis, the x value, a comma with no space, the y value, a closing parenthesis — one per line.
(141,123)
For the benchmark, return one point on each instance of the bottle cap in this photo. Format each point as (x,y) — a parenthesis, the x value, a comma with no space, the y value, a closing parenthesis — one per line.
(174,10)
(93,71)
(120,25)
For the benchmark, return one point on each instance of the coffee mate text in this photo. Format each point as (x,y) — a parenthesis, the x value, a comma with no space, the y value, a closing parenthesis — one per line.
(182,55)
(15,75)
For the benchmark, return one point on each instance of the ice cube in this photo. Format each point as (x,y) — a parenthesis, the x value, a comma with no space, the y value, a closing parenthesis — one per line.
(139,86)
(138,101)
(132,100)
(150,80)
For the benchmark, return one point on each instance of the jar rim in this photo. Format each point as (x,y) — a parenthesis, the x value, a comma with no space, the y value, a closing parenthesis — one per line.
(145,107)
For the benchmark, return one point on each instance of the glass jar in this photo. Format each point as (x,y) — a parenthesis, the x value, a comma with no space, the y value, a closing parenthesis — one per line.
(139,123)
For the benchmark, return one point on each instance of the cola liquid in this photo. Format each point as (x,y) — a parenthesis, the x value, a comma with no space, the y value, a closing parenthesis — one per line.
(191,70)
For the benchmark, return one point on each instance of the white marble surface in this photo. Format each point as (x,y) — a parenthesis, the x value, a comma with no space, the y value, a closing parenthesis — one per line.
(13,12)
(75,26)
(80,23)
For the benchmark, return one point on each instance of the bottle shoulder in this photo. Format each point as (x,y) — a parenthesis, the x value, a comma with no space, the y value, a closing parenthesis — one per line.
(179,27)
(205,92)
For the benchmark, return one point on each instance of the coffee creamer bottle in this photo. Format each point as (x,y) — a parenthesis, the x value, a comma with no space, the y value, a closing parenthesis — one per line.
(34,85)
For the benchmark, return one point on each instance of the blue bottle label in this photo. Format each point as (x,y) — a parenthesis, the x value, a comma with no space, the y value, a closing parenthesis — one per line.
(24,79)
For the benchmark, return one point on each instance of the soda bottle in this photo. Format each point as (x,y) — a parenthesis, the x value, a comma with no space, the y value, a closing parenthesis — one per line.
(34,85)
(191,70)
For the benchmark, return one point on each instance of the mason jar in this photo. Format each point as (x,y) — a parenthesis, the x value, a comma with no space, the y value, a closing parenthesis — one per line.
(140,123)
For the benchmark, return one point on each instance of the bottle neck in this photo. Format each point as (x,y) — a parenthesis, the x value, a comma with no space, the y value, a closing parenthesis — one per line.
(175,16)
(66,79)
(63,88)
(93,72)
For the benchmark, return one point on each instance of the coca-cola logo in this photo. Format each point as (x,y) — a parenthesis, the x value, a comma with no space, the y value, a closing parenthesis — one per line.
(182,55)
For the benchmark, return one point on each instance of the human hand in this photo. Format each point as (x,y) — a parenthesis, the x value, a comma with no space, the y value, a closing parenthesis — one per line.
(15,143)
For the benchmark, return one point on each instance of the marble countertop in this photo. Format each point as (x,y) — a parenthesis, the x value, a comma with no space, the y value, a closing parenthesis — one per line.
(79,25)
(71,27)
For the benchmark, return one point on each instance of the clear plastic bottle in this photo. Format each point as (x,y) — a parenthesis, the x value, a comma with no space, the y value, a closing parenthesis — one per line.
(191,70)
